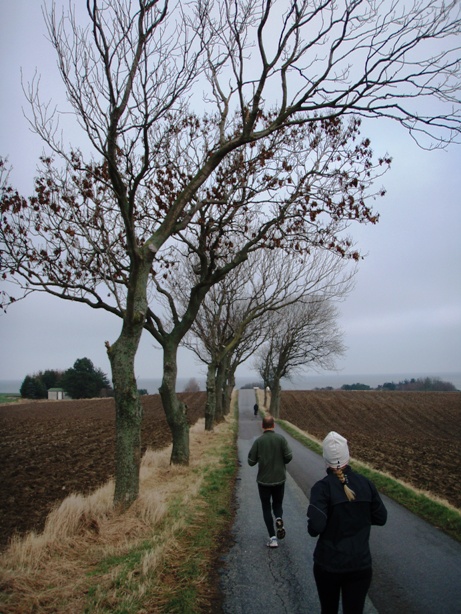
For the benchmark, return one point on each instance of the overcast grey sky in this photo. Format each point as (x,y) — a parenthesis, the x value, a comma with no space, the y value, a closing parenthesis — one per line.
(403,317)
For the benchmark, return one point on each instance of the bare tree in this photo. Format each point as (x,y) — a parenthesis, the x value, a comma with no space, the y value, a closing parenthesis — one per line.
(217,325)
(258,199)
(295,190)
(237,314)
(301,335)
(100,220)
(225,326)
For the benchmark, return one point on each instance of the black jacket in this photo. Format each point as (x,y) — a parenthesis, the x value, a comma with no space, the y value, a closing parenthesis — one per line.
(344,526)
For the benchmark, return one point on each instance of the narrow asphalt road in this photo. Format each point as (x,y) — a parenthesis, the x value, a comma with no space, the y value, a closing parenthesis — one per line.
(417,569)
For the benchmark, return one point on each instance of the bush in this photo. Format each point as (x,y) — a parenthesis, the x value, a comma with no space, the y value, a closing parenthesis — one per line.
(192,385)
(33,388)
(355,387)
(84,381)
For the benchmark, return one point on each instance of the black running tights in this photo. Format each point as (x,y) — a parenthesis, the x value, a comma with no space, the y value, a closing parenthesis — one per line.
(266,494)
(353,587)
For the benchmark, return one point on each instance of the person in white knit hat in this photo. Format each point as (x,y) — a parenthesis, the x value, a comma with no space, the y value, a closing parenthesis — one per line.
(342,508)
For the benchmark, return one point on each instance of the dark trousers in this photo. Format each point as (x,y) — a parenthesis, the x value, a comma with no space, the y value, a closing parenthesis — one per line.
(353,587)
(271,501)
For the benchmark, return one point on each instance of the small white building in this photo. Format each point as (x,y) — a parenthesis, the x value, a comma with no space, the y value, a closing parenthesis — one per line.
(56,394)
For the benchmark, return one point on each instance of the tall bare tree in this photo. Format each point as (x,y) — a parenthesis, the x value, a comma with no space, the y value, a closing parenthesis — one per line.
(101,215)
(238,314)
(258,199)
(217,325)
(230,319)
(301,335)
(297,189)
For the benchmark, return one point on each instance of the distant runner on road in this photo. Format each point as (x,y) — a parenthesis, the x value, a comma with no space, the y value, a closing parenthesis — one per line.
(271,452)
(343,506)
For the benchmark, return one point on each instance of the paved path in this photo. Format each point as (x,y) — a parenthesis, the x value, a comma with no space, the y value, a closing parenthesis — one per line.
(417,569)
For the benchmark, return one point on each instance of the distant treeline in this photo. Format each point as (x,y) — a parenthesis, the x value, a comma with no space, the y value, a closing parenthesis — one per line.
(82,381)
(432,384)
(252,385)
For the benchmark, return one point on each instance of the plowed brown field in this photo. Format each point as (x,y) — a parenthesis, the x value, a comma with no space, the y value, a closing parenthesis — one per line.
(50,449)
(414,436)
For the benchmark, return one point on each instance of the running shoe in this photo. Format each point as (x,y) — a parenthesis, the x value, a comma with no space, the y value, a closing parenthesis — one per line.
(280,529)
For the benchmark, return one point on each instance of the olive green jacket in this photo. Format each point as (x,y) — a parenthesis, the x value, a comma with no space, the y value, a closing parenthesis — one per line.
(271,452)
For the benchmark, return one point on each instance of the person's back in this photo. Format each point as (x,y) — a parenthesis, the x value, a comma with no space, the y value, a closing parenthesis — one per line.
(343,544)
(342,508)
(271,452)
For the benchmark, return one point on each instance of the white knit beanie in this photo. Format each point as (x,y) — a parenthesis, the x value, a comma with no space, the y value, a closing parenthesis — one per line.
(335,450)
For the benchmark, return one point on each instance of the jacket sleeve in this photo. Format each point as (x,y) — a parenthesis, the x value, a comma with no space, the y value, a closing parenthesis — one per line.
(253,454)
(317,512)
(287,453)
(378,509)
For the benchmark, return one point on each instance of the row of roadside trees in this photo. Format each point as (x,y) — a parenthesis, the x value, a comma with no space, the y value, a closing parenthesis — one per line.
(219,136)
(276,313)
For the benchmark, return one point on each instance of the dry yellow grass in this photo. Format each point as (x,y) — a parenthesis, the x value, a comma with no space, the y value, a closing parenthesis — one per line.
(57,570)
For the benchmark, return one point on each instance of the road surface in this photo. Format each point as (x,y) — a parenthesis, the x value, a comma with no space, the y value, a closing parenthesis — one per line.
(417,569)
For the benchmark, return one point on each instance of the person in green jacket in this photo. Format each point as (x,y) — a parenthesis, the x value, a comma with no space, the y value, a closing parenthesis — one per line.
(271,453)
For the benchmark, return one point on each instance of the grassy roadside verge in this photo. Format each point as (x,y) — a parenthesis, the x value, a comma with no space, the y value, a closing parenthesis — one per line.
(439,514)
(190,583)
(162,555)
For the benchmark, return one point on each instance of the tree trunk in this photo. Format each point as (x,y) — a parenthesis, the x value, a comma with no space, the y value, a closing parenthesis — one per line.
(274,408)
(128,418)
(228,388)
(220,381)
(175,409)
(128,407)
(211,397)
(266,395)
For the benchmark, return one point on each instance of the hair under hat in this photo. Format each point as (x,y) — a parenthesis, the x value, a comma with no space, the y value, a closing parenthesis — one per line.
(335,450)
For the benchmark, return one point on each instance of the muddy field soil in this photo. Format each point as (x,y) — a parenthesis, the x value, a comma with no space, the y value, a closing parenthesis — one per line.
(50,449)
(414,436)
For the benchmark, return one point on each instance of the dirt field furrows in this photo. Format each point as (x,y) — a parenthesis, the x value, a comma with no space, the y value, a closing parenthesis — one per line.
(414,436)
(50,449)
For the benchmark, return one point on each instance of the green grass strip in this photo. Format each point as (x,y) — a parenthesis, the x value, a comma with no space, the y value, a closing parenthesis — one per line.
(216,494)
(206,519)
(445,518)
(9,398)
